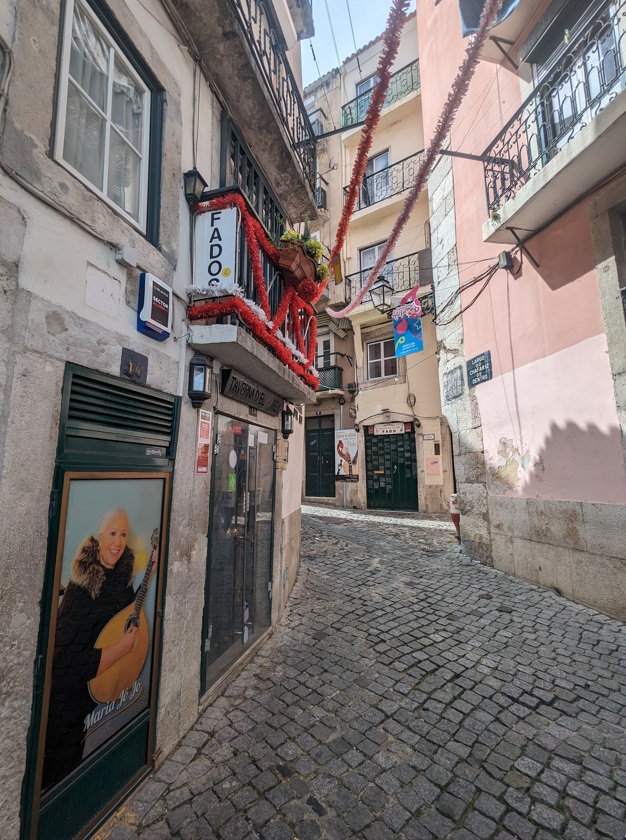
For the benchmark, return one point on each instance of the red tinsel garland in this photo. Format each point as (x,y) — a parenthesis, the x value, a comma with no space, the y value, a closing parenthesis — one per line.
(256,239)
(391,43)
(261,331)
(444,124)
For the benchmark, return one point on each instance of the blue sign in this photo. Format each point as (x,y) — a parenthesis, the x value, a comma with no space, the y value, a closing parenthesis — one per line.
(407,325)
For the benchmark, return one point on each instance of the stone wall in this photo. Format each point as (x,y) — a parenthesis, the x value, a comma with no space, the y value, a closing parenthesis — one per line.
(462,412)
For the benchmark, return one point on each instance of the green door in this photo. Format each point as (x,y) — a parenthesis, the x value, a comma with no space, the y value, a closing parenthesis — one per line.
(391,470)
(320,456)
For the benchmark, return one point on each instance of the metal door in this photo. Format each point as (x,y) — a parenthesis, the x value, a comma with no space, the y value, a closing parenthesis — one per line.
(237,608)
(320,456)
(391,470)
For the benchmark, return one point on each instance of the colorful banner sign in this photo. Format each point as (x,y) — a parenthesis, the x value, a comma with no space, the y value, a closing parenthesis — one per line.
(407,325)
(346,455)
(204,441)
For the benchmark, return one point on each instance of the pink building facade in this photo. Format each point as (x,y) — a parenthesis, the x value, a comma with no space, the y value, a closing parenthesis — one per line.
(539,447)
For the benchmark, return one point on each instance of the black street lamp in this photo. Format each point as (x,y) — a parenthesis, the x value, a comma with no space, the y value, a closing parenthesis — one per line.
(381,295)
(199,388)
(195,185)
(286,422)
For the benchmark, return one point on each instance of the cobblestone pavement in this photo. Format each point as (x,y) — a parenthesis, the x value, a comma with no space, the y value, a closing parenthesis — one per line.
(407,692)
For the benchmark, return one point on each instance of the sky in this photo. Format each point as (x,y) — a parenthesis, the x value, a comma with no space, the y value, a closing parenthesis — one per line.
(368,20)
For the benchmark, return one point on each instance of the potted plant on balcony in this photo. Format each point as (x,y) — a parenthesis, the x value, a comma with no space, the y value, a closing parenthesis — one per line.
(300,261)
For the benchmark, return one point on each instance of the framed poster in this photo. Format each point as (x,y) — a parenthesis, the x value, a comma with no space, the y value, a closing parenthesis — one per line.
(100,662)
(346,455)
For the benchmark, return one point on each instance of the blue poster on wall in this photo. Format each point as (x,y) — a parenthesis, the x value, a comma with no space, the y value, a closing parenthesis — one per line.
(407,325)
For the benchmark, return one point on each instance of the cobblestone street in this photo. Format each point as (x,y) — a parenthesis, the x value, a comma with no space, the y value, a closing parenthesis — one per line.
(407,692)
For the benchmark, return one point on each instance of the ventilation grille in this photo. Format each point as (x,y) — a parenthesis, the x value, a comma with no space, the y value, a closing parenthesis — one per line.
(102,408)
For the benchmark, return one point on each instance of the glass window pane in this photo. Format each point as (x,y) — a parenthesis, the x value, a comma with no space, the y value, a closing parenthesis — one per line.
(388,348)
(124,176)
(127,106)
(374,370)
(83,146)
(374,351)
(89,59)
(390,367)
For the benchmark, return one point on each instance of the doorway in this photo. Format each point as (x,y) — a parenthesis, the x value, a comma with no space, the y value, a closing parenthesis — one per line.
(238,600)
(320,456)
(391,470)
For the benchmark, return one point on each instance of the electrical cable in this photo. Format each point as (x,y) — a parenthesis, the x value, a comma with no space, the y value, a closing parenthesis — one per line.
(332,32)
(332,119)
(358,63)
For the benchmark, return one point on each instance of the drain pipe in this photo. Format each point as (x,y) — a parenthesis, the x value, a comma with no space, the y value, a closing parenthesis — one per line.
(343,483)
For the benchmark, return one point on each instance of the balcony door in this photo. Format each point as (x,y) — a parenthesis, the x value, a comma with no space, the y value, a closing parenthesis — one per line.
(376,184)
(368,258)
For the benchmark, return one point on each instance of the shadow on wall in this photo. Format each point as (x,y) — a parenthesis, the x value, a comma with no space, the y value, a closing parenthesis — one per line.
(574,463)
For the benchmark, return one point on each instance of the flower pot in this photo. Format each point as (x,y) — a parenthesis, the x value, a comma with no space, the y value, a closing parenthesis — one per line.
(295,263)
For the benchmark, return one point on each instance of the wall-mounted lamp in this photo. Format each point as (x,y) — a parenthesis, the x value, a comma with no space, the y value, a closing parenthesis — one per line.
(357,427)
(286,422)
(417,423)
(195,185)
(199,388)
(381,295)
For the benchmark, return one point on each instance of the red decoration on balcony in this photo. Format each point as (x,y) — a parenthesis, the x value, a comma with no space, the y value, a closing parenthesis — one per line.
(299,271)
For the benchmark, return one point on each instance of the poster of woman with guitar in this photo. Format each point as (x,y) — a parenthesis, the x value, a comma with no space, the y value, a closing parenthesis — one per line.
(103,636)
(346,459)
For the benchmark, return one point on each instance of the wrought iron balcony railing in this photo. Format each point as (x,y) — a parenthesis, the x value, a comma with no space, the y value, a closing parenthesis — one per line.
(391,180)
(263,40)
(402,83)
(589,75)
(402,274)
(331,376)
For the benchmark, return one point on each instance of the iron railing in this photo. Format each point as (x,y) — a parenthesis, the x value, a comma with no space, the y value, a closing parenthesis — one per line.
(330,377)
(391,180)
(402,274)
(405,81)
(588,75)
(257,27)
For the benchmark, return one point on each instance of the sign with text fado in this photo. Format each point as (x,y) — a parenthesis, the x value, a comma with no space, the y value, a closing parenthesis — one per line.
(215,251)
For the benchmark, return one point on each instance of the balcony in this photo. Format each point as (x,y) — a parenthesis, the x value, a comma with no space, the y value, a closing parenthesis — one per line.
(242,50)
(568,135)
(331,376)
(402,83)
(390,181)
(402,274)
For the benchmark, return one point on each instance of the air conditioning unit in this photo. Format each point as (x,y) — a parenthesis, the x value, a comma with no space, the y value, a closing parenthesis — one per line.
(321,200)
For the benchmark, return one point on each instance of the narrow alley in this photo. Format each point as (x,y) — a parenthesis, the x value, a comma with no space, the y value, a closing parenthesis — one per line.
(407,692)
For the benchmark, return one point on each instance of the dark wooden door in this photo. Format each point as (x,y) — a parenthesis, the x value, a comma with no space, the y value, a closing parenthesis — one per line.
(391,471)
(320,456)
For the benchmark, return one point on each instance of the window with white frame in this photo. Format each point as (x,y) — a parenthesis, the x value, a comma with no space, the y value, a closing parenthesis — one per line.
(103,128)
(324,349)
(376,184)
(381,359)
(368,257)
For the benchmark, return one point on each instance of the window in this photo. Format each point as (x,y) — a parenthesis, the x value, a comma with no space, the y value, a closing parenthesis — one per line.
(363,92)
(577,68)
(381,359)
(376,184)
(106,107)
(367,260)
(324,349)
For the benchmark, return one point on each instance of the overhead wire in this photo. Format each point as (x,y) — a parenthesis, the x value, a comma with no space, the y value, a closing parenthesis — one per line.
(332,32)
(356,49)
(332,119)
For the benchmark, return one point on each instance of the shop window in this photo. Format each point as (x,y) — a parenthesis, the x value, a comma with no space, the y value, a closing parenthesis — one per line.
(381,359)
(108,128)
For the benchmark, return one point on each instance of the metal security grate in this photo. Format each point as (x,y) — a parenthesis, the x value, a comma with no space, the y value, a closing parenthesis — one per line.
(103,408)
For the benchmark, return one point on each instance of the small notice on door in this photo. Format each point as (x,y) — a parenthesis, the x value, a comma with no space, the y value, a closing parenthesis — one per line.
(204,441)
